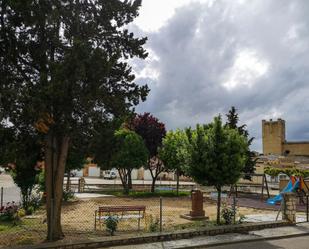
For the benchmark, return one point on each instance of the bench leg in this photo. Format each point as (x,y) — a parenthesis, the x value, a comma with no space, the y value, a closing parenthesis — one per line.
(139,220)
(95,220)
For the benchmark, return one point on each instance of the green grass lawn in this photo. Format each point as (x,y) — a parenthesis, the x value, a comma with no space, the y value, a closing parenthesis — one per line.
(142,194)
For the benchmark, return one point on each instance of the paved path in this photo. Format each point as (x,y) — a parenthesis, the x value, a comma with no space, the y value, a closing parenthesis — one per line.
(266,238)
(290,243)
(10,190)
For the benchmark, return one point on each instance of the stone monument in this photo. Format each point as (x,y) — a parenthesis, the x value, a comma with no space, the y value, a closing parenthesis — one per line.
(197,212)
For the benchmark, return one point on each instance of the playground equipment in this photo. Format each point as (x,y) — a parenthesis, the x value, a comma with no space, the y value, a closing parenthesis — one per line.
(295,184)
(258,181)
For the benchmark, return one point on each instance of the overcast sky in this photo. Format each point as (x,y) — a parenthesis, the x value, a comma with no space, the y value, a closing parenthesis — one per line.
(206,56)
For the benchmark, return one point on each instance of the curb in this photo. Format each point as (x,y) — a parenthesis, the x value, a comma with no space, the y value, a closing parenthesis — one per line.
(241,241)
(156,237)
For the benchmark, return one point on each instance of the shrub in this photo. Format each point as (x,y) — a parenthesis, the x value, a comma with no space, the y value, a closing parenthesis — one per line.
(111,224)
(9,212)
(34,203)
(154,224)
(21,212)
(67,195)
(227,215)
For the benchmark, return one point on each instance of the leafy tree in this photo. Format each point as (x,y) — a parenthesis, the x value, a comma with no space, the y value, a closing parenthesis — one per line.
(152,131)
(218,156)
(130,152)
(63,68)
(232,122)
(174,152)
(102,142)
(21,153)
(75,161)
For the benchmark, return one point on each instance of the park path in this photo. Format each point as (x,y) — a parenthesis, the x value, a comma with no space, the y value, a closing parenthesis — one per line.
(10,190)
(289,237)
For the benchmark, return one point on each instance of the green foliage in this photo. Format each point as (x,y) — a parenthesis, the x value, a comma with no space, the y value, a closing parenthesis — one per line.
(174,151)
(129,152)
(228,214)
(141,194)
(288,171)
(217,155)
(111,224)
(241,219)
(35,203)
(154,224)
(64,69)
(232,122)
(9,213)
(23,157)
(68,195)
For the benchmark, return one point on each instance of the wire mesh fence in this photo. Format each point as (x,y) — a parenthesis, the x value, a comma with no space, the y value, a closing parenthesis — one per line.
(87,215)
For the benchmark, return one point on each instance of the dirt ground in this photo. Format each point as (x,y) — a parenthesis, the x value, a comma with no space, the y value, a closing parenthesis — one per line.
(78,219)
(80,215)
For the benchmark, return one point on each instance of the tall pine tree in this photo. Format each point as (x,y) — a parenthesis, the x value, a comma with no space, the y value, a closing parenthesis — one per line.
(64,68)
(232,122)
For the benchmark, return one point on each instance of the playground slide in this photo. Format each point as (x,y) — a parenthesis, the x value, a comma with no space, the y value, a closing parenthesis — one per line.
(288,188)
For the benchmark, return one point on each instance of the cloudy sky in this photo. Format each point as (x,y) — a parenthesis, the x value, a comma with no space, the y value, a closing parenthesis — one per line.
(207,55)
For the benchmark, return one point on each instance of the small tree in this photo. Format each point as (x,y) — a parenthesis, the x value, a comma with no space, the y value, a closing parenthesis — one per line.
(130,152)
(174,152)
(22,151)
(218,156)
(232,122)
(152,131)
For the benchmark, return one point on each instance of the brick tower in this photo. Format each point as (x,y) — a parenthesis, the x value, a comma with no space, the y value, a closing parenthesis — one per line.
(273,136)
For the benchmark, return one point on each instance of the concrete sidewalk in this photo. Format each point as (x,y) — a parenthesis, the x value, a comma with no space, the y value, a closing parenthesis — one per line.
(206,241)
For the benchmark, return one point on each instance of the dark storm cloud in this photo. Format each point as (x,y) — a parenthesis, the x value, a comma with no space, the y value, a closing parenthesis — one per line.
(261,46)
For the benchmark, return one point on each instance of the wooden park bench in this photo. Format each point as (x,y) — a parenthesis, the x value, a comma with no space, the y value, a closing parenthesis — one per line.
(122,212)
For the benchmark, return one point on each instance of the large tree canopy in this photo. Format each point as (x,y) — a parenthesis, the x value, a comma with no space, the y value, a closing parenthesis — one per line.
(152,131)
(218,156)
(64,68)
(129,153)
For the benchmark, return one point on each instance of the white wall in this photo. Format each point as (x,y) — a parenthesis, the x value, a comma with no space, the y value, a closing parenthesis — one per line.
(94,172)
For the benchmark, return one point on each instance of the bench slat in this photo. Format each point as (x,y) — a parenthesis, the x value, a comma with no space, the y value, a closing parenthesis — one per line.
(121,208)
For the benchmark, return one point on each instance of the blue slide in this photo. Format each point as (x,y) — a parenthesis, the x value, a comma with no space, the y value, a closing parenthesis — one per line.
(288,188)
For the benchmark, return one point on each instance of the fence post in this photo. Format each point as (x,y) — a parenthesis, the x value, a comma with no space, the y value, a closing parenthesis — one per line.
(307,208)
(234,209)
(160,214)
(1,201)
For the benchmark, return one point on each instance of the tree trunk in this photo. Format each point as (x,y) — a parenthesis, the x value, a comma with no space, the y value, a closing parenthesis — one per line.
(56,152)
(153,184)
(177,187)
(130,179)
(68,181)
(124,180)
(218,204)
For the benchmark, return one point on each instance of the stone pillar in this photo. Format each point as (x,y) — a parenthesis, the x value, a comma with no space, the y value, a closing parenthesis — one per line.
(197,204)
(81,185)
(197,212)
(289,207)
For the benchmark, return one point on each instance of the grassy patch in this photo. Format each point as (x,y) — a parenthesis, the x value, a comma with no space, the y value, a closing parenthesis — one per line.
(141,194)
(194,224)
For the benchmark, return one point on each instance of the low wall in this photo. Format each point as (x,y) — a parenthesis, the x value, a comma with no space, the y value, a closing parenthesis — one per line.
(156,237)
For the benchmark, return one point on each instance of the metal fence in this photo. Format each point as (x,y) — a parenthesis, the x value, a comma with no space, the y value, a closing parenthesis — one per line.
(82,219)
